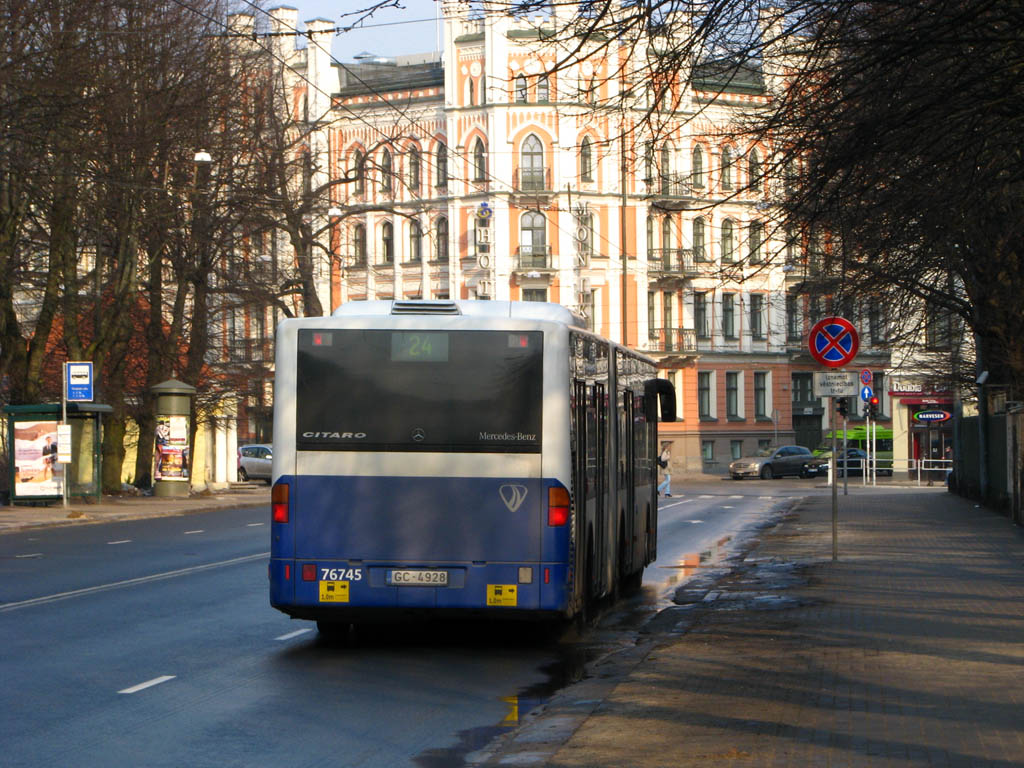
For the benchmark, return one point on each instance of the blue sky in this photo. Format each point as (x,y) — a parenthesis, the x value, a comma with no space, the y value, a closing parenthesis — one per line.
(390,32)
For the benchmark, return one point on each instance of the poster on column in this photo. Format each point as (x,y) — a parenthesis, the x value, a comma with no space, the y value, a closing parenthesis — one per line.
(36,471)
(171,448)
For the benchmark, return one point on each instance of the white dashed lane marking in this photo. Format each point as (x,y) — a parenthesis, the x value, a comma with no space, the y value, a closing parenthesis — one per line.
(148,684)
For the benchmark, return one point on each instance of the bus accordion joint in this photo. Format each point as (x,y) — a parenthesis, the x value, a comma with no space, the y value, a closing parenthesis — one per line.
(279,503)
(558,506)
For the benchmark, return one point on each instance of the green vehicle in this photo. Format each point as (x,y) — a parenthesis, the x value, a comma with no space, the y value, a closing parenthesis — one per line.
(859,437)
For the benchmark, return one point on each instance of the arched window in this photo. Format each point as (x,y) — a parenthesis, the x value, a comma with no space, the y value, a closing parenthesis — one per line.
(726,168)
(520,89)
(532,239)
(479,161)
(531,164)
(728,241)
(650,234)
(699,244)
(359,245)
(586,160)
(666,232)
(442,166)
(543,88)
(358,167)
(414,171)
(442,239)
(385,171)
(387,240)
(697,168)
(754,169)
(415,241)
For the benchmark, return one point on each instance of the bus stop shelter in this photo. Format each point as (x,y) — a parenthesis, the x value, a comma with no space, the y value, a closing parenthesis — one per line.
(35,475)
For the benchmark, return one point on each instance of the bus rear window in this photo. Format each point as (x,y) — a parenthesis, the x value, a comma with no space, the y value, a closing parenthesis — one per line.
(401,390)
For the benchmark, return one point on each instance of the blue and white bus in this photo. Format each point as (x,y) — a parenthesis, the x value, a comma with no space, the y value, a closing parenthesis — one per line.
(459,458)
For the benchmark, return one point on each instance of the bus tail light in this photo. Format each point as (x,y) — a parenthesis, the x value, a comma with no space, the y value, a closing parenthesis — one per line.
(558,506)
(279,503)
(309,571)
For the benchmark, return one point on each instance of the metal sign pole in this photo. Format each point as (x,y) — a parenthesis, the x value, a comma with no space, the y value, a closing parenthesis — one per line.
(64,420)
(835,487)
(867,445)
(846,459)
(874,451)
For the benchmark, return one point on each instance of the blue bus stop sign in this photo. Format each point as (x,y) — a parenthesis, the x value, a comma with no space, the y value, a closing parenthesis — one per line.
(79,382)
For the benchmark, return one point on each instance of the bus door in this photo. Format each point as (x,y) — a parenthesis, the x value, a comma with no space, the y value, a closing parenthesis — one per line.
(627,449)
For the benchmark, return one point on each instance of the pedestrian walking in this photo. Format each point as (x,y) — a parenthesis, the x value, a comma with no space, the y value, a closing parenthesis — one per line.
(666,485)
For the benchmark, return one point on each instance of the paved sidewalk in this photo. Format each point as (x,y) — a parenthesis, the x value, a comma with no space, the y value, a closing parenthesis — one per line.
(129,507)
(908,651)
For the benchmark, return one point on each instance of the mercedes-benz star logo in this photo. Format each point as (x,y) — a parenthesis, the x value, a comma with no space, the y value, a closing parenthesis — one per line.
(419,434)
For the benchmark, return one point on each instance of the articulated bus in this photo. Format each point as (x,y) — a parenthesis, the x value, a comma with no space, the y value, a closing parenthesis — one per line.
(459,458)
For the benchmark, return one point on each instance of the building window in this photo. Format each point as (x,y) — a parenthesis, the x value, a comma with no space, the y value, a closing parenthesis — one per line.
(665,171)
(415,241)
(543,89)
(732,395)
(531,164)
(414,171)
(704,394)
(793,329)
(760,395)
(877,326)
(729,315)
(535,294)
(700,315)
(442,239)
(728,242)
(803,388)
(666,309)
(726,168)
(479,161)
(697,168)
(666,234)
(764,444)
(792,246)
(707,451)
(756,313)
(359,244)
(736,449)
(586,160)
(754,169)
(755,236)
(387,239)
(442,166)
(358,168)
(385,172)
(520,89)
(652,323)
(699,245)
(533,239)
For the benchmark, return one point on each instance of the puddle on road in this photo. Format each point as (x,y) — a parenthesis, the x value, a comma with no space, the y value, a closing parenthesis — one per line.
(569,668)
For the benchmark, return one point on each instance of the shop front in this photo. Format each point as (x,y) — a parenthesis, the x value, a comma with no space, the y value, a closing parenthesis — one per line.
(922,428)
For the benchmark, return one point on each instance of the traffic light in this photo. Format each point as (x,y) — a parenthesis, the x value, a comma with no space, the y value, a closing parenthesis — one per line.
(843,407)
(873,407)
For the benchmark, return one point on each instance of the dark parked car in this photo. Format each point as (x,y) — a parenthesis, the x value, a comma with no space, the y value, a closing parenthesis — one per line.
(852,464)
(255,462)
(773,462)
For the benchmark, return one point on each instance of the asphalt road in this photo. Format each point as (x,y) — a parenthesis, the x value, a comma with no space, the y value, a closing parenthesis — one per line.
(152,643)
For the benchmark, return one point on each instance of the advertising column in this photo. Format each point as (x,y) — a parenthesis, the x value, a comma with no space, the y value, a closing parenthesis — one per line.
(170,453)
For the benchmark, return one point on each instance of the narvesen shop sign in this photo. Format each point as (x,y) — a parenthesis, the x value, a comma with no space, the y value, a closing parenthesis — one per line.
(932,416)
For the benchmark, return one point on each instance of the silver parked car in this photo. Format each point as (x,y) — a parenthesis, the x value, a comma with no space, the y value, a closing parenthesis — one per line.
(773,462)
(255,462)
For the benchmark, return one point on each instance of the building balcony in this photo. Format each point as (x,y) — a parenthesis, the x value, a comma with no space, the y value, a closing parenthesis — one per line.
(249,351)
(670,191)
(530,258)
(672,340)
(671,262)
(532,180)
